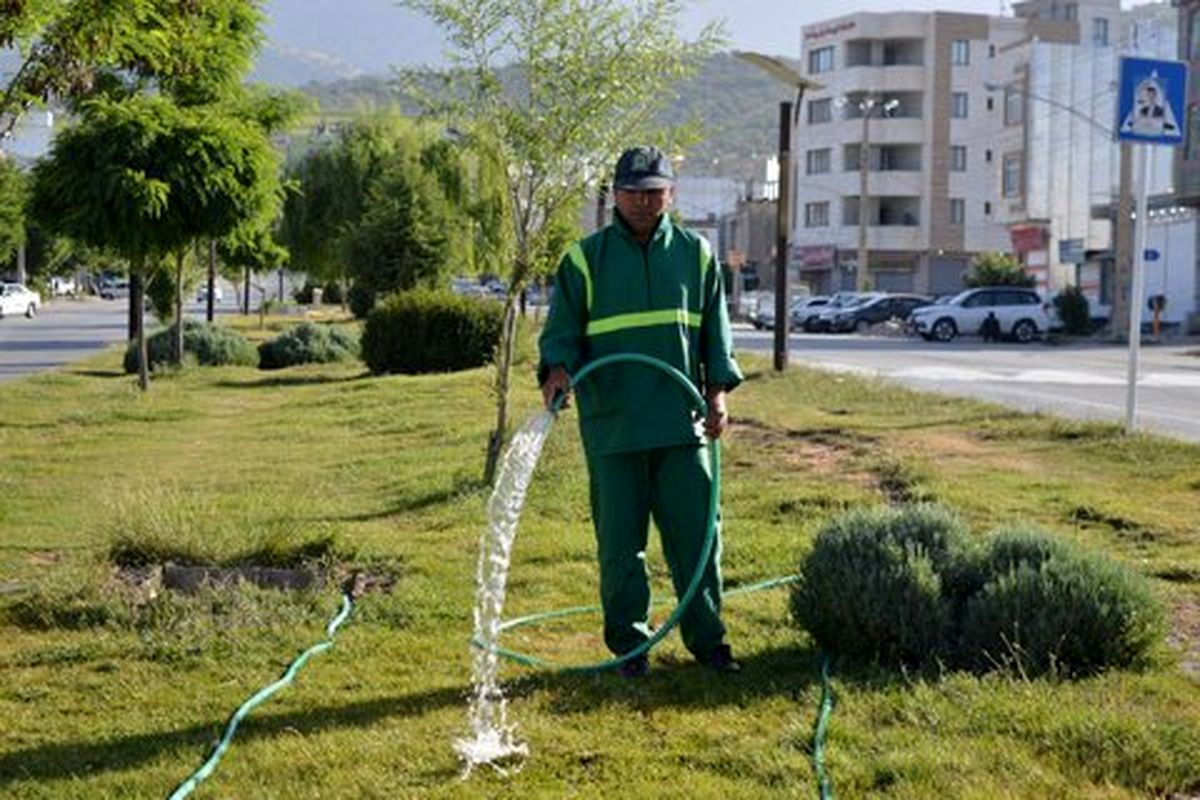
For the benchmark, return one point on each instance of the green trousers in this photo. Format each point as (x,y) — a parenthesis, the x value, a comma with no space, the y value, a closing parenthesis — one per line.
(672,485)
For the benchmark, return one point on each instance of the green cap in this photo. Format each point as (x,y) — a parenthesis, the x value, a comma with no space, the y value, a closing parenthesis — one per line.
(642,168)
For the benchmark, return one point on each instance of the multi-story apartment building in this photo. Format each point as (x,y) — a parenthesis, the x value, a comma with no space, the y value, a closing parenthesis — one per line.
(952,168)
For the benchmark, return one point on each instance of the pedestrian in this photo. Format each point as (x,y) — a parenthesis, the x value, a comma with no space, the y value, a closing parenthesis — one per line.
(644,284)
(990,329)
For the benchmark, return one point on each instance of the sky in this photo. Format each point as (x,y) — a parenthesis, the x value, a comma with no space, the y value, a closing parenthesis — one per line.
(374,34)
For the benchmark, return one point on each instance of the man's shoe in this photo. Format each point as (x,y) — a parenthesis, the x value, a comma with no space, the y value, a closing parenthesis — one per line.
(636,667)
(720,659)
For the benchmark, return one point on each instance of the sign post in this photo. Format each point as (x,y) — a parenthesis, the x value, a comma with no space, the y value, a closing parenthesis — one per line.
(1150,111)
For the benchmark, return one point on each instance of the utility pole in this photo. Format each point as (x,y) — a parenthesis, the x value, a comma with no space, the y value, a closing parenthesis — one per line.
(1123,265)
(864,157)
(783,221)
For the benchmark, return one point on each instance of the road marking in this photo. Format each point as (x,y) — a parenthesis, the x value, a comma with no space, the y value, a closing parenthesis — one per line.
(1173,380)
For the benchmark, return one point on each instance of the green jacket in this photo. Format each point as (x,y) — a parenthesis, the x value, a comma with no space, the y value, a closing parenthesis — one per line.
(666,300)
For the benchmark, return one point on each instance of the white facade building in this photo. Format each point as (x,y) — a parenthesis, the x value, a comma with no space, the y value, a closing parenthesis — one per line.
(959,152)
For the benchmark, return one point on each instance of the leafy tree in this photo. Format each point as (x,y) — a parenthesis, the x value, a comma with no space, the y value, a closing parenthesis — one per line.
(591,78)
(13,192)
(997,269)
(251,248)
(145,178)
(72,51)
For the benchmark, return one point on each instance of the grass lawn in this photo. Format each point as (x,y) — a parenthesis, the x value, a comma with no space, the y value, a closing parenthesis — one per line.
(106,692)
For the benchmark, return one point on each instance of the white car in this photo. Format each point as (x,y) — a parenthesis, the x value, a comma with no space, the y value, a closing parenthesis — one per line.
(202,294)
(16,299)
(1019,313)
(808,307)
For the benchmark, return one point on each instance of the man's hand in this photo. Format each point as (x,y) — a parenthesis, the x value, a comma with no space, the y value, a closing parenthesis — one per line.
(717,419)
(557,381)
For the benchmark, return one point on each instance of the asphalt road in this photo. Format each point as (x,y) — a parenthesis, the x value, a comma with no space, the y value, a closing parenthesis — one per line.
(67,330)
(63,331)
(1082,381)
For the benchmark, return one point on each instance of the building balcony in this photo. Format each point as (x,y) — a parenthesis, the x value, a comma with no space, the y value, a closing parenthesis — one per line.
(879,78)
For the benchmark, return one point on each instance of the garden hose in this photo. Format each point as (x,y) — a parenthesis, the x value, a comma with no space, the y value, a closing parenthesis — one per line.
(821,725)
(189,785)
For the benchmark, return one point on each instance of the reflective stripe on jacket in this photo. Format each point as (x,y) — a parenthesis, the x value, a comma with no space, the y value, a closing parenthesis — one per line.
(665,300)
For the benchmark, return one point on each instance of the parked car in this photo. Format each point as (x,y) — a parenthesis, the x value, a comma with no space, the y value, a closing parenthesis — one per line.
(1020,313)
(862,316)
(803,309)
(202,293)
(15,298)
(839,302)
(113,289)
(764,314)
(60,286)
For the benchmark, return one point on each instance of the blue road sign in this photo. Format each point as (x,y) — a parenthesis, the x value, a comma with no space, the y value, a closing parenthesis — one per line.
(1150,254)
(1151,100)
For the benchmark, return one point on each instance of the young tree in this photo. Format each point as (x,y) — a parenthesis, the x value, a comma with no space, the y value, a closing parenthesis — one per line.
(144,177)
(13,191)
(591,76)
(997,269)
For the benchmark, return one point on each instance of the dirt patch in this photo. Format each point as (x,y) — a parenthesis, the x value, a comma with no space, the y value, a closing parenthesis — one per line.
(143,584)
(44,558)
(815,449)
(1185,634)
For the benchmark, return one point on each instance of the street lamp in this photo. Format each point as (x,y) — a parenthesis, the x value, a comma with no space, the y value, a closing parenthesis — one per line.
(784,72)
(866,106)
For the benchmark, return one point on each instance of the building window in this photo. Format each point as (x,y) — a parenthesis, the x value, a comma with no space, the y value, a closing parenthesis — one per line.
(987,209)
(990,105)
(1011,175)
(987,156)
(1194,27)
(958,158)
(816,215)
(820,111)
(1014,106)
(960,52)
(958,105)
(1071,12)
(818,161)
(958,211)
(991,51)
(820,60)
(1100,32)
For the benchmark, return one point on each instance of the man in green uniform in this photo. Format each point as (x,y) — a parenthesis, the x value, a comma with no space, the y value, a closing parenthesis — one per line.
(646,285)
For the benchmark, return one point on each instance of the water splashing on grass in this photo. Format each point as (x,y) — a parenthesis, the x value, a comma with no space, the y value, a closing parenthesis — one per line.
(493,738)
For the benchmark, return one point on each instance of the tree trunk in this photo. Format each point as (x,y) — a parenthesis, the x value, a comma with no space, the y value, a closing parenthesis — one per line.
(137,300)
(508,335)
(246,293)
(177,332)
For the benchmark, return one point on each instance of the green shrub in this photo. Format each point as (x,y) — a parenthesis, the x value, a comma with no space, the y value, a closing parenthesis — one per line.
(1074,311)
(1050,607)
(431,331)
(307,343)
(208,345)
(332,293)
(304,294)
(911,587)
(361,301)
(874,587)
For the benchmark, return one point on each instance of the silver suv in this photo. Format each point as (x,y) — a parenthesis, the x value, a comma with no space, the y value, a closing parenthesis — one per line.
(1019,313)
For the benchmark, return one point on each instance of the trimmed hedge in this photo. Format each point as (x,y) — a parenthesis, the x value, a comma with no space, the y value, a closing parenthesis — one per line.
(912,587)
(431,331)
(307,343)
(872,587)
(208,345)
(1051,607)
